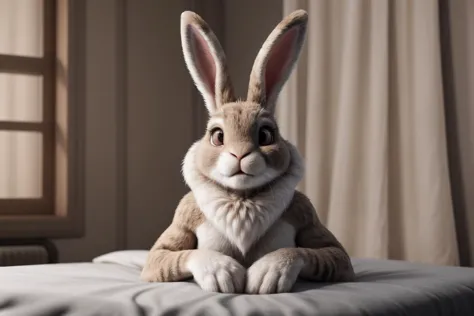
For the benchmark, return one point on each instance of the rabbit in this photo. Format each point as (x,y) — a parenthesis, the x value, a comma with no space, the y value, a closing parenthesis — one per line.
(243,227)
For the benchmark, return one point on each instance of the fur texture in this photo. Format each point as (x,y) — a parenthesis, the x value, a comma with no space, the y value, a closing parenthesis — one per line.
(244,227)
(276,59)
(242,220)
(206,61)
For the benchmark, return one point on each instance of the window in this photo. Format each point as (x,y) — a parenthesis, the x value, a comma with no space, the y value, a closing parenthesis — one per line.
(35,198)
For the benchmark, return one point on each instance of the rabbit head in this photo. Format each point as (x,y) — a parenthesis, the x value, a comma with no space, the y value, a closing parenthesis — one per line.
(242,148)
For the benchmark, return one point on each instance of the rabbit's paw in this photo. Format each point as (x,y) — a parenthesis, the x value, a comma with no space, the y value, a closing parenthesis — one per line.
(273,274)
(215,272)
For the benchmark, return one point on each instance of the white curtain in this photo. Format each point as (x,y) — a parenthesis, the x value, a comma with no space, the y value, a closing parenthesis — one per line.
(20,100)
(365,106)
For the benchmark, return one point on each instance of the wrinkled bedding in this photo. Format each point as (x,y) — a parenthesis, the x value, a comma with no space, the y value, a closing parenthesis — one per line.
(110,285)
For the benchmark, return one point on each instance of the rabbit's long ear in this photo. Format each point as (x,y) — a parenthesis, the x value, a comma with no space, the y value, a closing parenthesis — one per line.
(206,61)
(276,59)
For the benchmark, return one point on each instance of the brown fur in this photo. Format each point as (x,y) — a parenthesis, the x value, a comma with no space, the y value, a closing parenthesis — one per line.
(257,90)
(167,258)
(241,122)
(325,258)
(224,90)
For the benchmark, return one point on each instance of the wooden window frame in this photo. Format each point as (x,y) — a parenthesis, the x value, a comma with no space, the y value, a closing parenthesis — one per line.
(60,212)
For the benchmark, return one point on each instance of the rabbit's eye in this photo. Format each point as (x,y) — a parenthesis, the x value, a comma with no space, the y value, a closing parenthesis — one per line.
(266,136)
(217,137)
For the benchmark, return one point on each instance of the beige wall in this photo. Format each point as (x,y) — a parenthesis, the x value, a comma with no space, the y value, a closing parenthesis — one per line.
(140,111)
(100,169)
(159,117)
(247,25)
(100,135)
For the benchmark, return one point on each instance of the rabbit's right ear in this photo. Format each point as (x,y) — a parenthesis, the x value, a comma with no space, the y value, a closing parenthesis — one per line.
(276,59)
(206,61)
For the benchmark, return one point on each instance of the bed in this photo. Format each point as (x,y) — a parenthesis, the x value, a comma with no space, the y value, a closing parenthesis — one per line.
(110,285)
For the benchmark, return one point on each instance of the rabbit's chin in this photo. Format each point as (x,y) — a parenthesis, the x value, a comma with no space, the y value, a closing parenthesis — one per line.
(244,181)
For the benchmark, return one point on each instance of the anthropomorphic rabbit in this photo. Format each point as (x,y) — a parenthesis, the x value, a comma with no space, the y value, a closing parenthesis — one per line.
(244,228)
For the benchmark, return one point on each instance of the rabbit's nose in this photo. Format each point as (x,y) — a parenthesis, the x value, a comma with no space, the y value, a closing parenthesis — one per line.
(240,156)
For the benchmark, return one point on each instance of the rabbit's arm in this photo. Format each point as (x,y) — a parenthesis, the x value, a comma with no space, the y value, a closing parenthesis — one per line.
(323,256)
(318,255)
(174,256)
(167,259)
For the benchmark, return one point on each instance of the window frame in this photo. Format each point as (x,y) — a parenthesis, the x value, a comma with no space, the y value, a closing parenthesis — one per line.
(59,213)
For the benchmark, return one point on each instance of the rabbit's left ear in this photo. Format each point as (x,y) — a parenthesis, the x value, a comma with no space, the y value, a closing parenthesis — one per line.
(276,59)
(206,61)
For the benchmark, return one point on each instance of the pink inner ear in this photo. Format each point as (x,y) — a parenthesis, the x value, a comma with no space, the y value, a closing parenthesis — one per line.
(278,60)
(204,60)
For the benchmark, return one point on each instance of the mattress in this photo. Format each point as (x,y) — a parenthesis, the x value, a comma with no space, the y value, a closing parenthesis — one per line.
(110,285)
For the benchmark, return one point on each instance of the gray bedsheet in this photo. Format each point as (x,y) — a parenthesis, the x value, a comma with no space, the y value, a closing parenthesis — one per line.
(107,288)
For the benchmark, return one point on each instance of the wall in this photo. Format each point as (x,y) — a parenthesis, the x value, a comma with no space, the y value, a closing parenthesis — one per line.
(159,118)
(245,31)
(101,163)
(141,109)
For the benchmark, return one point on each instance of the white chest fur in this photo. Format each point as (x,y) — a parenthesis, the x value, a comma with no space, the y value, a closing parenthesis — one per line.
(279,235)
(243,221)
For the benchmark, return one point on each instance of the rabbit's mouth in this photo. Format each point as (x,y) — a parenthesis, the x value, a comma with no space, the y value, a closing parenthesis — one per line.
(250,172)
(241,173)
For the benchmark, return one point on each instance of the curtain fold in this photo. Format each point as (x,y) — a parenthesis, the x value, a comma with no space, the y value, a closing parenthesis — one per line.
(457,37)
(365,107)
